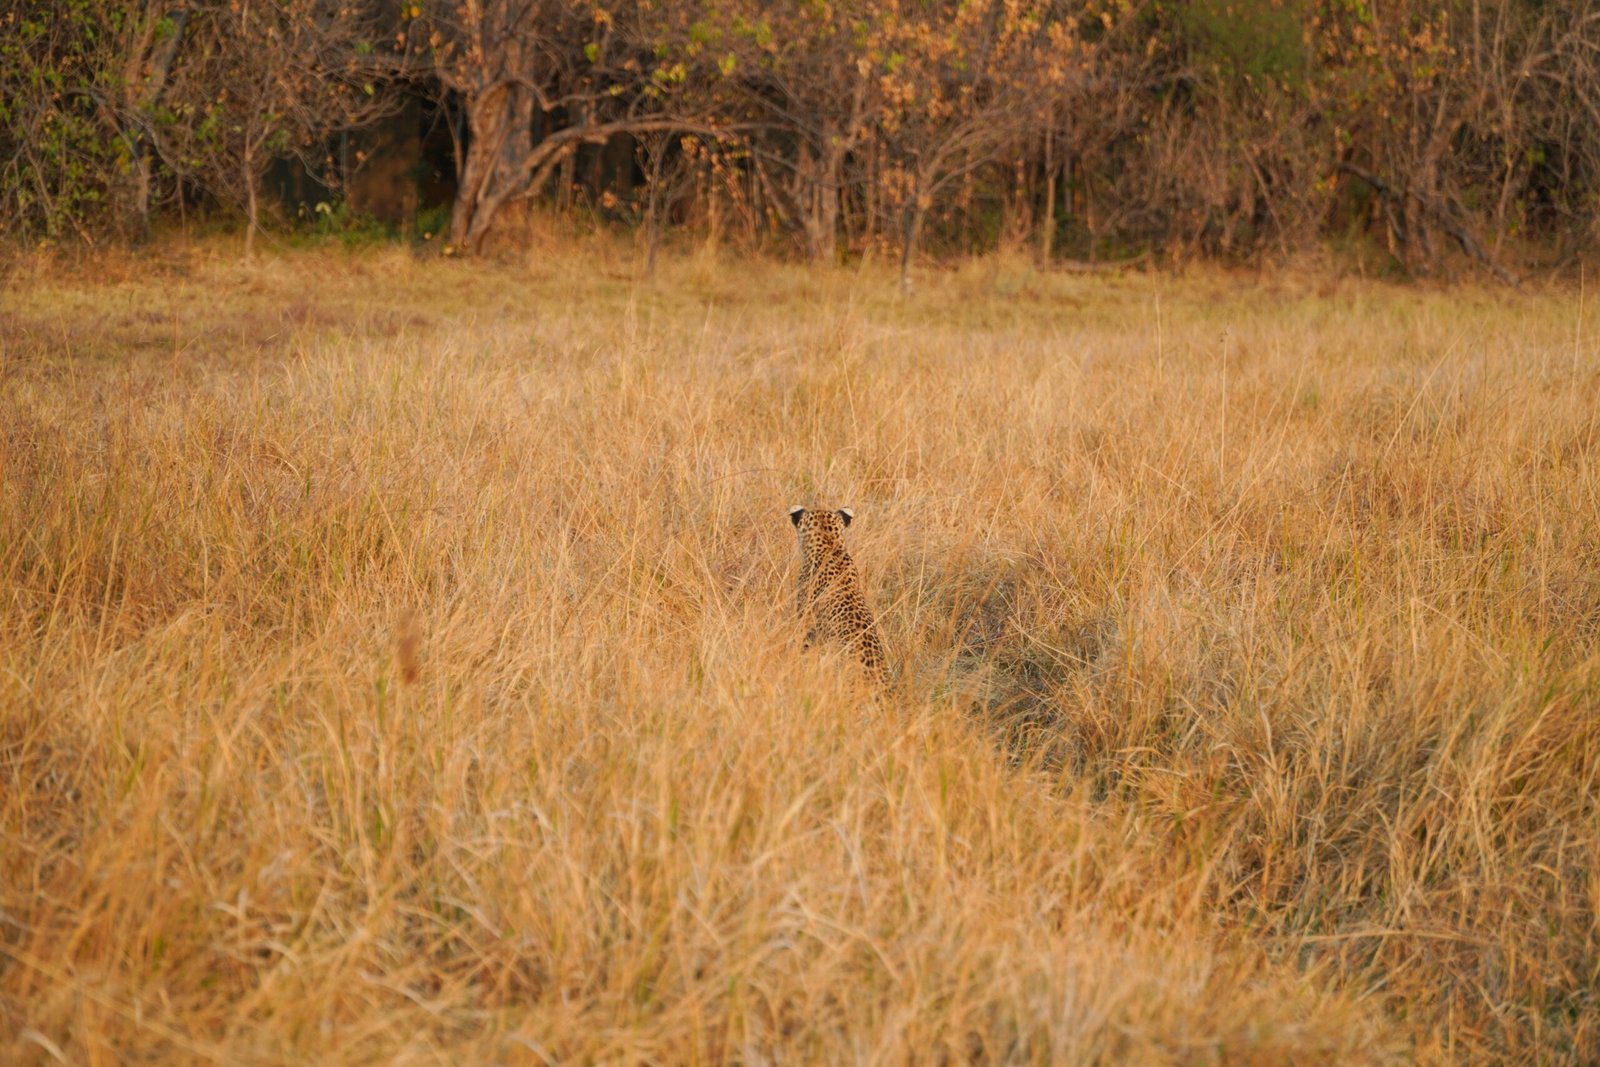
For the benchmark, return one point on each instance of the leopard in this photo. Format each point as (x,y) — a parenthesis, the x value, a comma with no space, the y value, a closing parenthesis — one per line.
(830,601)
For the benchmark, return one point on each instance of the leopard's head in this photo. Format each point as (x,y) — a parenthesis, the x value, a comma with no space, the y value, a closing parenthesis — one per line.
(820,529)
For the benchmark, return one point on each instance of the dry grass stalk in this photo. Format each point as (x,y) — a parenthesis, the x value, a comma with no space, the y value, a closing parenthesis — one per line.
(1289,754)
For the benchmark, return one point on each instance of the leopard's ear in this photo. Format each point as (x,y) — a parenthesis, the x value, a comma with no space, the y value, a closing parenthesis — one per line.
(846,514)
(795,513)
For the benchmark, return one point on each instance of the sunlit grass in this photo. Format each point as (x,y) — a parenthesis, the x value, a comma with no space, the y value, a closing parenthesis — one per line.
(1243,637)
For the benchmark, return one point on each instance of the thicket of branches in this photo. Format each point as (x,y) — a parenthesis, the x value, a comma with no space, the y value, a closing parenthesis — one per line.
(1084,127)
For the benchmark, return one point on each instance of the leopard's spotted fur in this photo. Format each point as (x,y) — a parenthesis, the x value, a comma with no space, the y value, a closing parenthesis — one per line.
(830,600)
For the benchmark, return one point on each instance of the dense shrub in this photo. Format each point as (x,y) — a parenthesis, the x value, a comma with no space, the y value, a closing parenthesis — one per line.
(1219,127)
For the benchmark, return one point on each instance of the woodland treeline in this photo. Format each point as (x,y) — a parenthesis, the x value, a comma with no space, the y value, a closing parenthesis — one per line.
(1427,129)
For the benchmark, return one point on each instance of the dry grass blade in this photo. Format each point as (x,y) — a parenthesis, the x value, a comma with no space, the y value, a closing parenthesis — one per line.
(406,670)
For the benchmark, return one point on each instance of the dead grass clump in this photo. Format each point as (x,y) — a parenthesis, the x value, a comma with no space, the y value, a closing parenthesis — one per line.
(407,671)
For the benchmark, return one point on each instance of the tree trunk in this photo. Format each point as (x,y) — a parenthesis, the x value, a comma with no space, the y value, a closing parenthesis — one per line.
(1047,224)
(143,84)
(827,224)
(713,212)
(141,193)
(653,212)
(497,151)
(817,192)
(822,220)
(125,118)
(251,205)
(915,212)
(872,227)
(1088,216)
(569,176)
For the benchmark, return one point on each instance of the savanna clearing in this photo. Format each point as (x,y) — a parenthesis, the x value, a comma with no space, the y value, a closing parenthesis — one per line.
(397,663)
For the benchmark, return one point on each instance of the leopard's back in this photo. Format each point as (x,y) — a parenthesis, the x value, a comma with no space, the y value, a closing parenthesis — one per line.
(829,598)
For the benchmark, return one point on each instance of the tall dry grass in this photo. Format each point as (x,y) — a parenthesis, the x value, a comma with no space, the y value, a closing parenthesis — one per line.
(1244,640)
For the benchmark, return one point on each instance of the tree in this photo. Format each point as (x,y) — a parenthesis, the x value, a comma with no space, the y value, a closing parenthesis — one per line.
(966,85)
(802,83)
(81,86)
(261,80)
(537,78)
(150,36)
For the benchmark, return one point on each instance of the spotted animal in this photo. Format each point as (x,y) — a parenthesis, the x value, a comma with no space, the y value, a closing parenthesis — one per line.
(830,601)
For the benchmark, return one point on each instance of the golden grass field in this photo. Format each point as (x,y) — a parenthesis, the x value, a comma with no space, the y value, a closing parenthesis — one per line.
(397,664)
